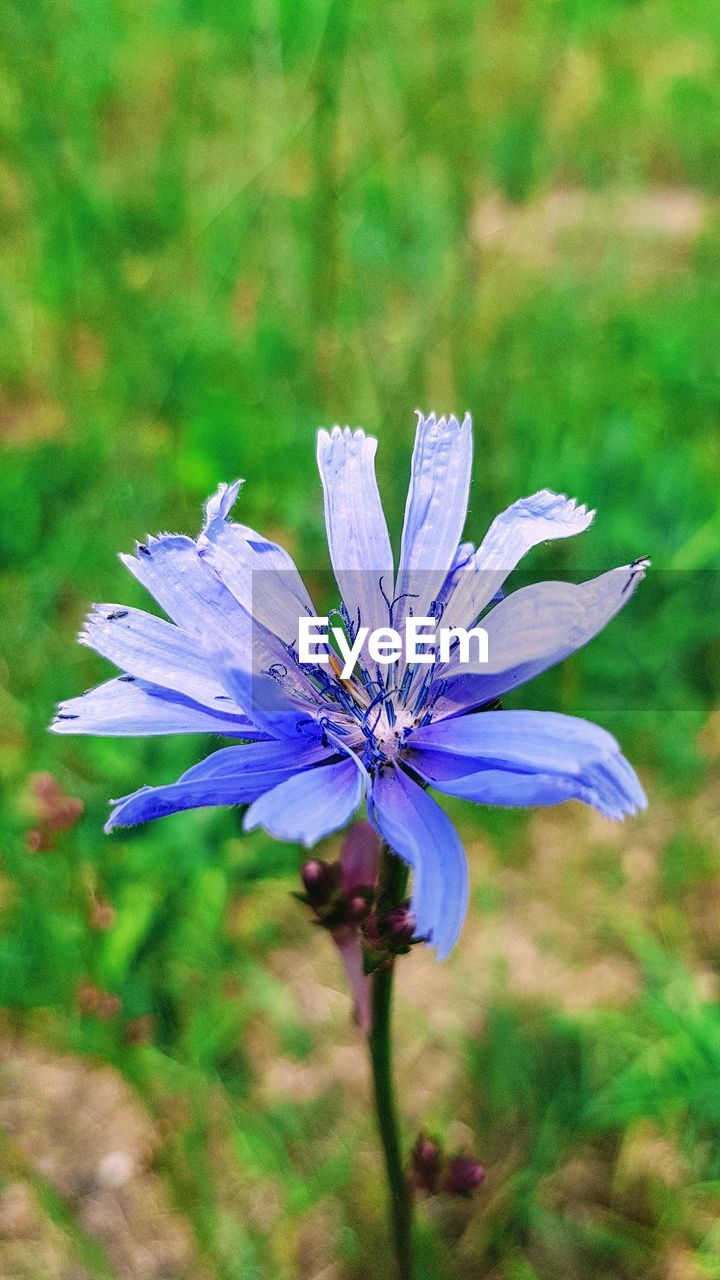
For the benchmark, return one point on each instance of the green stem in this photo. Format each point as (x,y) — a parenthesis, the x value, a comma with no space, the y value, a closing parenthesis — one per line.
(393,883)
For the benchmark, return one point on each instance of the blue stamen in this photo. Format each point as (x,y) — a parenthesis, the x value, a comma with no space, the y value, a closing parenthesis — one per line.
(407,680)
(423,691)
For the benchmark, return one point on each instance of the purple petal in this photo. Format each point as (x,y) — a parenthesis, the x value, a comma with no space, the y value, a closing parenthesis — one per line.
(533,758)
(601,789)
(512,534)
(260,574)
(221,503)
(435,511)
(234,775)
(310,805)
(156,651)
(356,530)
(418,831)
(533,629)
(519,739)
(189,591)
(126,707)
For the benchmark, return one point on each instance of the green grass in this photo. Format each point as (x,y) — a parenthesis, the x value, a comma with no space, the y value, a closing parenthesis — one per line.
(220,227)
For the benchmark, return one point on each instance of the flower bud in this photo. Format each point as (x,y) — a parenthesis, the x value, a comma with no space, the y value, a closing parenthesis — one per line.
(321,880)
(392,930)
(360,858)
(425,1160)
(463,1175)
(356,908)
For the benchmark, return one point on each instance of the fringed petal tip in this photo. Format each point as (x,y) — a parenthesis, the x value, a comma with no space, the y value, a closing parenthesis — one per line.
(63,721)
(561,510)
(113,823)
(341,441)
(151,542)
(451,422)
(98,614)
(614,788)
(221,503)
(115,819)
(636,571)
(528,758)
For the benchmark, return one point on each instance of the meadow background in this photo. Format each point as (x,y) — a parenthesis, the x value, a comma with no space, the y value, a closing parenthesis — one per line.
(221,226)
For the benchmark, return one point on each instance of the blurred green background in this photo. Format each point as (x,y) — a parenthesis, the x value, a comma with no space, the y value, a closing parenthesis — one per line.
(222,225)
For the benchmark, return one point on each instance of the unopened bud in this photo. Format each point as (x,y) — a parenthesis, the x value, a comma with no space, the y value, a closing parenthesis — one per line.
(392,930)
(321,881)
(426,1159)
(463,1175)
(360,858)
(356,909)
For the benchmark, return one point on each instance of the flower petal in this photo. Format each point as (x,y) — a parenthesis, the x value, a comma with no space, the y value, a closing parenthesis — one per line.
(419,832)
(127,707)
(231,776)
(611,787)
(190,592)
(357,533)
(533,629)
(517,754)
(462,562)
(235,643)
(258,757)
(434,512)
(221,502)
(309,806)
(511,535)
(260,574)
(155,650)
(544,740)
(273,688)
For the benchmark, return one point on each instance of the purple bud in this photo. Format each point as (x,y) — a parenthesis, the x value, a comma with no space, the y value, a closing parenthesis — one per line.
(392,930)
(425,1159)
(321,881)
(356,909)
(360,858)
(463,1175)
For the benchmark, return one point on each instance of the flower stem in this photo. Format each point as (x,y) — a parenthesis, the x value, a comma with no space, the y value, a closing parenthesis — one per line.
(393,882)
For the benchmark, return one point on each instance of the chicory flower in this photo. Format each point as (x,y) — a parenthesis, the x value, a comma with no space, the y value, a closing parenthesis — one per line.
(309,745)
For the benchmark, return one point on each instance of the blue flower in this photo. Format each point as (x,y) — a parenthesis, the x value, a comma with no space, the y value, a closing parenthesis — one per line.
(311,745)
